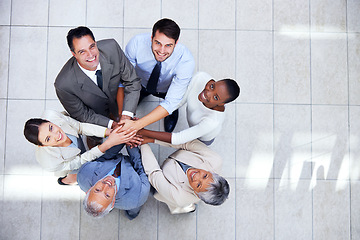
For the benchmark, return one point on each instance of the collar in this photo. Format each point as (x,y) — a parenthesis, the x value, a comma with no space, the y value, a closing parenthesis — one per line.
(90,74)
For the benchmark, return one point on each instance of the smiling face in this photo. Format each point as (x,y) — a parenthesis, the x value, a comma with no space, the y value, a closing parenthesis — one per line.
(199,179)
(86,52)
(52,135)
(162,46)
(103,192)
(214,94)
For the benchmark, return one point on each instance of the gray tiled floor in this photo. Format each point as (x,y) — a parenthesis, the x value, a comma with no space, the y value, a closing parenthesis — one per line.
(291,142)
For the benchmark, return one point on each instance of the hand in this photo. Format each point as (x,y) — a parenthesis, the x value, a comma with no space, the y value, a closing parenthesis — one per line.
(128,124)
(123,117)
(119,135)
(115,125)
(135,141)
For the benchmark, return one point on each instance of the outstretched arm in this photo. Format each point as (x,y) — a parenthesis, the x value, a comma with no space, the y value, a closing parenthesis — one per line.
(162,136)
(155,115)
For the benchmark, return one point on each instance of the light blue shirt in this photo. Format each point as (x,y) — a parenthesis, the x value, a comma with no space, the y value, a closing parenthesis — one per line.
(176,70)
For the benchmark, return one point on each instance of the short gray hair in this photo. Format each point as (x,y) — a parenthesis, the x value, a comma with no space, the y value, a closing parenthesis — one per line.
(95,209)
(217,192)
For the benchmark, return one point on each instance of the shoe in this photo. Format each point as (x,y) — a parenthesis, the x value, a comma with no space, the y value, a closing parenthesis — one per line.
(60,181)
(170,121)
(131,216)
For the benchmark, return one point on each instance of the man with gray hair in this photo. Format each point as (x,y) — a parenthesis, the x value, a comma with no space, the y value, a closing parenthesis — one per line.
(114,180)
(186,176)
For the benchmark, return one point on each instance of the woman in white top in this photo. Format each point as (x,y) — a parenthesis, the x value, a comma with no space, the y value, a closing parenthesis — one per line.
(59,146)
(205,110)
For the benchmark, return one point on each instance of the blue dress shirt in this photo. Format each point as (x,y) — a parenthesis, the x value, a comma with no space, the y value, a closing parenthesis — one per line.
(176,70)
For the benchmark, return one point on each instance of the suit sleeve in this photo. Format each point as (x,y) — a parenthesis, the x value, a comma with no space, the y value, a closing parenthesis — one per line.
(157,178)
(131,82)
(76,108)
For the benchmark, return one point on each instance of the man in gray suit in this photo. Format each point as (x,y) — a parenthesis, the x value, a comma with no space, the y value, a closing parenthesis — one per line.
(91,83)
(114,180)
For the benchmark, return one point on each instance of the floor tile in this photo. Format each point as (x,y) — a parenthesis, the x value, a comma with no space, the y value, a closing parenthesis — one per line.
(4,66)
(114,16)
(354,66)
(32,12)
(330,142)
(209,50)
(328,16)
(292,134)
(184,13)
(254,51)
(291,16)
(293,209)
(354,114)
(222,14)
(150,13)
(32,62)
(254,143)
(323,90)
(254,14)
(292,68)
(66,13)
(218,217)
(353,17)
(21,162)
(254,208)
(331,210)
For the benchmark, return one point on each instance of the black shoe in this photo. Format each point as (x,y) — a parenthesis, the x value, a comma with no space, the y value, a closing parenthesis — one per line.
(60,181)
(170,121)
(131,216)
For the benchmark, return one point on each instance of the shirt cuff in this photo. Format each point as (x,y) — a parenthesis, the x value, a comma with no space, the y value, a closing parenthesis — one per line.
(110,123)
(127,113)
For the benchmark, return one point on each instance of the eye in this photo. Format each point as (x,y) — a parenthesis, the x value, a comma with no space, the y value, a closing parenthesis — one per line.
(205,176)
(198,185)
(96,190)
(107,196)
(168,45)
(216,98)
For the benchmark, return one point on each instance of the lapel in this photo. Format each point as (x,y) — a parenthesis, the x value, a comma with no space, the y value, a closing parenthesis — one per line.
(86,84)
(106,69)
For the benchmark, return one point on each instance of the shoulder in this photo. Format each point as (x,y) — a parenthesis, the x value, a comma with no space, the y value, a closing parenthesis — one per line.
(66,74)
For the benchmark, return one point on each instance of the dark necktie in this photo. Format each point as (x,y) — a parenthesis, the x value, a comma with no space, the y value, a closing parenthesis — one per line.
(154,78)
(99,79)
(117,171)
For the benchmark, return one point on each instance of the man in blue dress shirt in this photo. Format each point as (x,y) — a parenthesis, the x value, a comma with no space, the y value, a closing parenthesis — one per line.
(114,180)
(161,50)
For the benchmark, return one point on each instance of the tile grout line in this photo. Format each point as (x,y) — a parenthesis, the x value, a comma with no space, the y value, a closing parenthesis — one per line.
(348,115)
(273,118)
(235,165)
(311,125)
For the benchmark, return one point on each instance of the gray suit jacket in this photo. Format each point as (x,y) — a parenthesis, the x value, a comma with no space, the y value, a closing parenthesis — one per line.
(134,184)
(84,100)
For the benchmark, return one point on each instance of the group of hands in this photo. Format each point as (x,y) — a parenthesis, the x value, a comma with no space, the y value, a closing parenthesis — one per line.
(125,131)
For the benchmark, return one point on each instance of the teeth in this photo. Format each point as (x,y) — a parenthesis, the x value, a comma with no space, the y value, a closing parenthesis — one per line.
(60,136)
(90,60)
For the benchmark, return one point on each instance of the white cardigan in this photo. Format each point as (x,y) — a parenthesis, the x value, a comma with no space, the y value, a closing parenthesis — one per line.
(62,160)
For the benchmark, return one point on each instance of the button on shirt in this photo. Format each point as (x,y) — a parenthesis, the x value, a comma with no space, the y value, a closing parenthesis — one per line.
(176,70)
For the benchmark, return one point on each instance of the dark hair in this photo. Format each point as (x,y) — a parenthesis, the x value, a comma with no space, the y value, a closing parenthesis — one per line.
(167,27)
(233,89)
(78,32)
(217,192)
(31,130)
